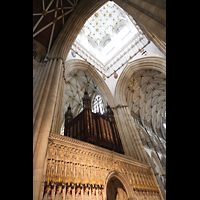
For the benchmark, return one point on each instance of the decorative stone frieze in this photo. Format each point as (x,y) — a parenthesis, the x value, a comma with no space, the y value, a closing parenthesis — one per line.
(78,169)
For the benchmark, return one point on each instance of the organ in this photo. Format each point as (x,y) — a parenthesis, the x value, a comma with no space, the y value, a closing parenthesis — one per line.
(94,128)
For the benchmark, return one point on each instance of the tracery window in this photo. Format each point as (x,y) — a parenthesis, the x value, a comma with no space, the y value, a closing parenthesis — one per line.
(97,105)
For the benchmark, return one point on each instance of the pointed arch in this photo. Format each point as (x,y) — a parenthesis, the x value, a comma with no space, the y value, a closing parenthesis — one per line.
(129,132)
(155,63)
(83,11)
(123,179)
(85,66)
(73,26)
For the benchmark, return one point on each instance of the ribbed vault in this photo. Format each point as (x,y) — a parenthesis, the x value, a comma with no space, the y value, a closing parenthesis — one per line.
(146,95)
(76,83)
(91,78)
(142,86)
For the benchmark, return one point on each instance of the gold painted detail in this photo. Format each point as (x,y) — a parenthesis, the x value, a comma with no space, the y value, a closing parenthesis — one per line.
(44,12)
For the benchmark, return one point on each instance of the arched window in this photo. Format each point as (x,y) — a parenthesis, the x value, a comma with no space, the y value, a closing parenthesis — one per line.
(164,125)
(62,129)
(97,105)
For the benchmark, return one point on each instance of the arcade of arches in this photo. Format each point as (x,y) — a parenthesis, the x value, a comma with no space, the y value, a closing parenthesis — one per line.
(99,128)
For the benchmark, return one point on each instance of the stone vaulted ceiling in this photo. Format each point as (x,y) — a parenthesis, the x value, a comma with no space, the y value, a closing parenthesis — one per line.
(109,39)
(76,83)
(146,96)
(49,16)
(101,23)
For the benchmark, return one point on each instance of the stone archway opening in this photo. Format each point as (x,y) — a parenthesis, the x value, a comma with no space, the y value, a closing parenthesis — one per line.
(115,190)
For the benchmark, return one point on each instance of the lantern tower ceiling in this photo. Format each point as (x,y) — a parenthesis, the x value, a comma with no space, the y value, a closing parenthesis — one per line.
(109,38)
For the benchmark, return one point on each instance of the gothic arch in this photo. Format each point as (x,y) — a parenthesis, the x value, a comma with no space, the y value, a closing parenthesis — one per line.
(83,11)
(73,26)
(155,63)
(123,179)
(130,132)
(83,65)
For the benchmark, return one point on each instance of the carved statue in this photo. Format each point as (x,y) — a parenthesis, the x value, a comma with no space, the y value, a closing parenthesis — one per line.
(47,195)
(86,193)
(100,196)
(68,194)
(78,194)
(93,194)
(59,193)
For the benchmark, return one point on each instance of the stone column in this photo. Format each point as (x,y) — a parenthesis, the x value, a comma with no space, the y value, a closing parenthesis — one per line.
(136,138)
(155,27)
(39,84)
(121,128)
(154,11)
(131,141)
(40,106)
(45,127)
(56,125)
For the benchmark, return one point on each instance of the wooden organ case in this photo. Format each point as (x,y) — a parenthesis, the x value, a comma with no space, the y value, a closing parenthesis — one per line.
(97,129)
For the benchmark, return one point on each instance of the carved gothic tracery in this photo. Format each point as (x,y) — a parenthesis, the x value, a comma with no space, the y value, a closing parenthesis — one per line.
(75,169)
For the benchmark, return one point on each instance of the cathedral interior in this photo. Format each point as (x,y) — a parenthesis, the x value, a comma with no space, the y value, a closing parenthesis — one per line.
(99,99)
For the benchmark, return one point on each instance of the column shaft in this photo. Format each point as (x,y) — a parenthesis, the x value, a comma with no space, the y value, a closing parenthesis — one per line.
(39,158)
(37,97)
(155,27)
(41,106)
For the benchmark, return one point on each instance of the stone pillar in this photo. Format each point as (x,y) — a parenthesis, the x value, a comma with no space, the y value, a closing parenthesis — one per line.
(39,84)
(152,25)
(42,142)
(131,141)
(40,106)
(154,11)
(121,128)
(56,123)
